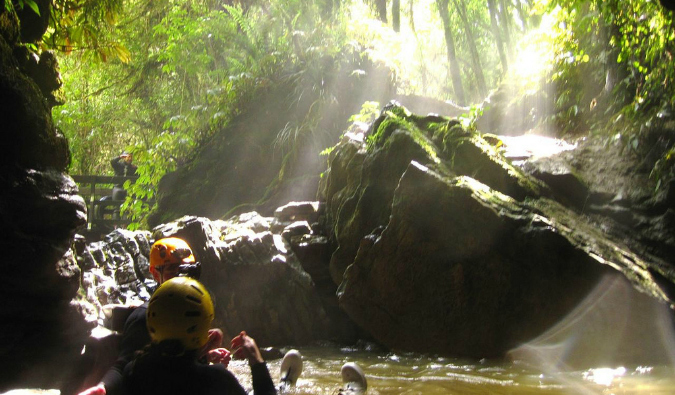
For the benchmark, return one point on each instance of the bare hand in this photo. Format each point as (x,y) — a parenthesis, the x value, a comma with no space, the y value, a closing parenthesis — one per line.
(244,347)
(219,355)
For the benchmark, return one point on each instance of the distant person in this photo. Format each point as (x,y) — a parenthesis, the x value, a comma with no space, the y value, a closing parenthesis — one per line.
(179,316)
(169,257)
(123,167)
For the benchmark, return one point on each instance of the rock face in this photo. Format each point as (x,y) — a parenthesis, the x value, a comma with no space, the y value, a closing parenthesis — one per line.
(256,280)
(442,241)
(40,212)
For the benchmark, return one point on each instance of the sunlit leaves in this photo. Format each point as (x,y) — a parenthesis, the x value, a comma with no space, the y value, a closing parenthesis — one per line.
(630,46)
(86,26)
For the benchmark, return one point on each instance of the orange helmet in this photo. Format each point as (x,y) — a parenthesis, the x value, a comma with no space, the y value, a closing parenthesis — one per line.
(170,250)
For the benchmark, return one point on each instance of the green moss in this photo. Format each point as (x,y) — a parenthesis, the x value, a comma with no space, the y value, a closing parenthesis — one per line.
(424,132)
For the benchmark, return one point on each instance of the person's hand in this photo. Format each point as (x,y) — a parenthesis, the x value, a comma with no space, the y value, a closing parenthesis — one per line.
(244,347)
(219,355)
(98,390)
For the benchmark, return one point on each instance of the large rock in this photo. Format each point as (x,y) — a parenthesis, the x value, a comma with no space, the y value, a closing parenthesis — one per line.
(360,180)
(40,212)
(42,331)
(30,138)
(445,247)
(468,271)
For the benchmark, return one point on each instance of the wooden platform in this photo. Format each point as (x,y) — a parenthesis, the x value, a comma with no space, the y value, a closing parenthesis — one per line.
(103,213)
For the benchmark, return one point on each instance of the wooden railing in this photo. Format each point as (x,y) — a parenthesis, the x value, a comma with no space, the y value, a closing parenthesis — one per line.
(103,213)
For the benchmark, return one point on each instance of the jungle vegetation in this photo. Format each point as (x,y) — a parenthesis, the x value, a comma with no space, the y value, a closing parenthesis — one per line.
(159,77)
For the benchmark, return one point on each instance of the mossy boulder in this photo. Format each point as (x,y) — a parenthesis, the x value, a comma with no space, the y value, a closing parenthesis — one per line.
(443,246)
(362,176)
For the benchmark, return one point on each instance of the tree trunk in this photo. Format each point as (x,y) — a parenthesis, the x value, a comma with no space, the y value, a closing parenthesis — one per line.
(492,8)
(521,15)
(396,15)
(506,18)
(381,6)
(452,57)
(471,43)
(614,71)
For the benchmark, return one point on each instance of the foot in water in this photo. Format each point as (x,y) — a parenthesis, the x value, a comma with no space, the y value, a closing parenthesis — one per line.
(353,380)
(290,370)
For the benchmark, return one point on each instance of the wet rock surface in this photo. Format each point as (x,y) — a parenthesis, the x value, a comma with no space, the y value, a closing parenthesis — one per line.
(257,281)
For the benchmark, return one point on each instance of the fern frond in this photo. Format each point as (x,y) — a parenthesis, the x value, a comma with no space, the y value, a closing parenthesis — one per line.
(237,13)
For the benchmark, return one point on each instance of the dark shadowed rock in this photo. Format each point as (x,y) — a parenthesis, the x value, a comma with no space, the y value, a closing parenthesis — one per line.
(471,272)
(34,25)
(43,328)
(40,212)
(562,180)
(441,240)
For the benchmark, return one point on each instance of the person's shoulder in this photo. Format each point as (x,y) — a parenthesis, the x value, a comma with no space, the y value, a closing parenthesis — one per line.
(138,313)
(217,372)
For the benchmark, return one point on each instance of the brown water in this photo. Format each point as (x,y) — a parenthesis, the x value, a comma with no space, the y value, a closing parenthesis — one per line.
(617,341)
(390,373)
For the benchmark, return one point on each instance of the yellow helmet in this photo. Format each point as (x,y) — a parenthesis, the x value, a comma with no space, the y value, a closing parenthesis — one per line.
(170,250)
(180,309)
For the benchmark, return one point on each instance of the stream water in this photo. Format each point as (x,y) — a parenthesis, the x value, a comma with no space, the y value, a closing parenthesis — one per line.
(390,373)
(576,356)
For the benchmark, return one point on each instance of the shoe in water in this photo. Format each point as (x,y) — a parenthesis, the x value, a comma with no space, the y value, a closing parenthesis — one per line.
(353,379)
(291,368)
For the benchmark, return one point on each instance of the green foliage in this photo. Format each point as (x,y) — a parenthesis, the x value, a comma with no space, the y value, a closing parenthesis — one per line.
(633,38)
(470,119)
(664,168)
(199,66)
(20,4)
(369,111)
(615,69)
(87,27)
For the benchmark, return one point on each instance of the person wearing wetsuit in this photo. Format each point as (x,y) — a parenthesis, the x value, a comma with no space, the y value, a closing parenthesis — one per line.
(168,258)
(179,316)
(122,167)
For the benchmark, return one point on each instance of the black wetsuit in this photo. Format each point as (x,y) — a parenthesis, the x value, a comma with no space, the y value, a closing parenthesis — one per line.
(134,337)
(153,373)
(122,168)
